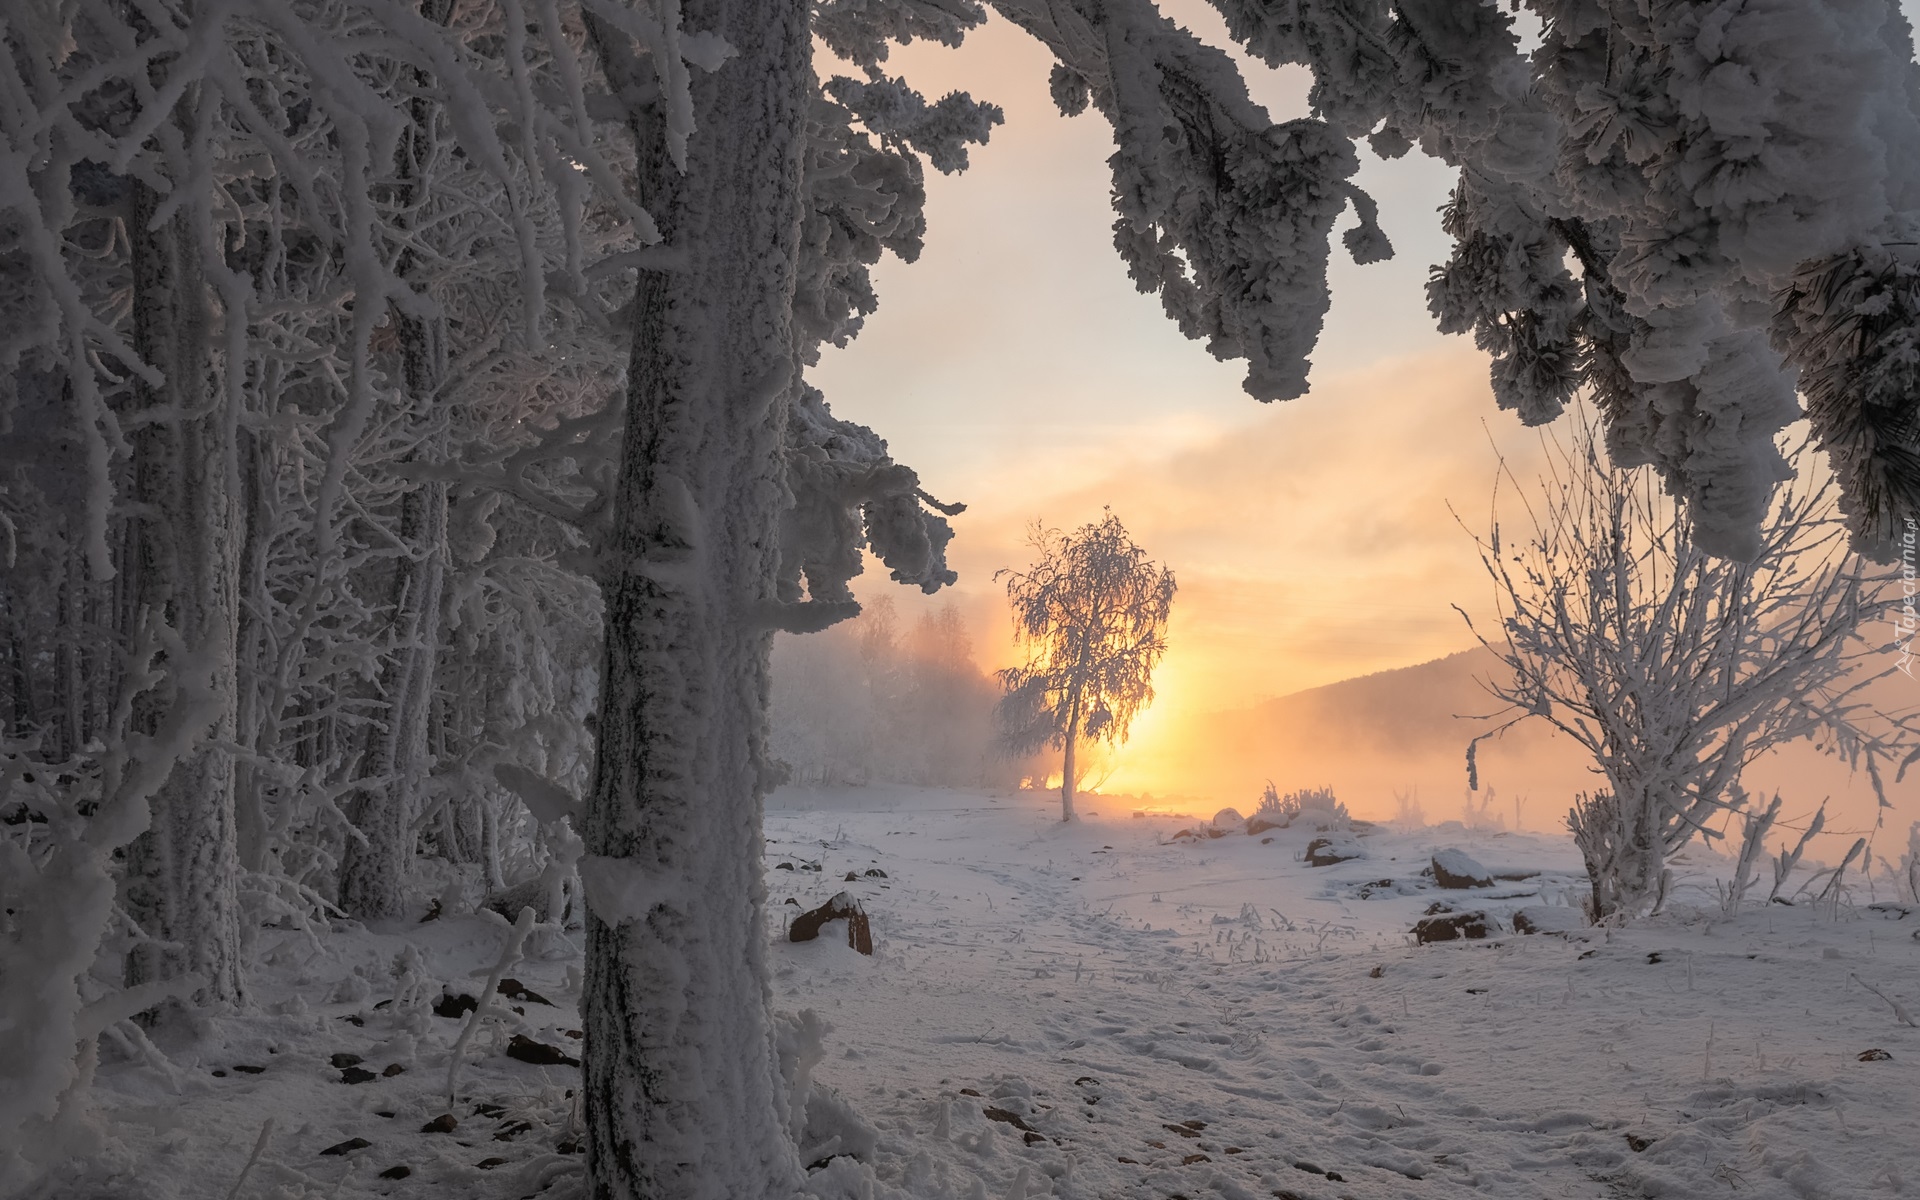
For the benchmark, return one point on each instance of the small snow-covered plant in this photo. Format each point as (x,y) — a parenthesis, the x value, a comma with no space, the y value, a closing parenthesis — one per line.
(1314,807)
(1787,860)
(1407,812)
(1479,815)
(1754,828)
(1272,812)
(1320,810)
(1835,888)
(1910,867)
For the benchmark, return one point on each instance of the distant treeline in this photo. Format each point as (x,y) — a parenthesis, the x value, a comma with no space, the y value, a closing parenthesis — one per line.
(873,701)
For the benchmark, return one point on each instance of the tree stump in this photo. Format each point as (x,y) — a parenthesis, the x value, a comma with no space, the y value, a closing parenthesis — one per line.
(806,926)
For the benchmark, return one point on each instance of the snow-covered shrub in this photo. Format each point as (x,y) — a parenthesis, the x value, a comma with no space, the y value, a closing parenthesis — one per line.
(1479,815)
(1754,827)
(1910,866)
(1408,815)
(1673,669)
(1312,808)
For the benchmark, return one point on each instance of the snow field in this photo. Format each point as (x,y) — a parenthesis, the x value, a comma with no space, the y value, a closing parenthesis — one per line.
(1097,1011)
(1213,1018)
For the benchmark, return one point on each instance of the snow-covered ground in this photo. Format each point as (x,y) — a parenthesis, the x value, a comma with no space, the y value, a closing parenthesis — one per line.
(1102,1010)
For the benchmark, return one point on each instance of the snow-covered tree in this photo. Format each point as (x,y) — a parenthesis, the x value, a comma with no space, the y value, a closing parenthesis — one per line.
(318,308)
(1675,669)
(1092,614)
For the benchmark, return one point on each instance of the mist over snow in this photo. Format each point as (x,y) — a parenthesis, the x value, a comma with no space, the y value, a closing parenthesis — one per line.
(882,700)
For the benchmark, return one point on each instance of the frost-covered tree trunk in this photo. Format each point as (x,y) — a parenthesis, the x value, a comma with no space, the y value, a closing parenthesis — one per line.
(1067,767)
(373,873)
(182,872)
(683,1094)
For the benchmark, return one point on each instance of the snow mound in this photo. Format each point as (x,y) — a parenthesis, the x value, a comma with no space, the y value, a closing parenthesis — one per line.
(1453,868)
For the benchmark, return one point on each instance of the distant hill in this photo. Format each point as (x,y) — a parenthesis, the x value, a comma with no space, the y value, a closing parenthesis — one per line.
(1400,731)
(1375,737)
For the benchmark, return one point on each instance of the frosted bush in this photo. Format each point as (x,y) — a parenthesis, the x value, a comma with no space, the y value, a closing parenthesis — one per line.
(1313,808)
(1910,866)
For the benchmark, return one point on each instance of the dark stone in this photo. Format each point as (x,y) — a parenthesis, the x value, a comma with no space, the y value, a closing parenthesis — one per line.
(393,1069)
(842,907)
(488,1164)
(1637,1144)
(513,989)
(396,1172)
(219,1074)
(1325,852)
(1456,869)
(1875,1055)
(444,1123)
(347,1147)
(783,866)
(487,1110)
(1033,1138)
(1010,1118)
(357,1075)
(968,1092)
(1451,926)
(454,1006)
(539,1054)
(245,1069)
(1190,1159)
(875,873)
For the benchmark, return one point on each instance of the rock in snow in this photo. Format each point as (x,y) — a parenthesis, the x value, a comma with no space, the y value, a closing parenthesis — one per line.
(1541,918)
(1456,869)
(1324,852)
(1447,927)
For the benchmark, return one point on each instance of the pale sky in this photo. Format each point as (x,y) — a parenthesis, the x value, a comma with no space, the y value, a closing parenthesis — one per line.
(1016,368)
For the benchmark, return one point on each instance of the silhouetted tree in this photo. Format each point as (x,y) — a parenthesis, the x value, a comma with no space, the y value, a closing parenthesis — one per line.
(1093,616)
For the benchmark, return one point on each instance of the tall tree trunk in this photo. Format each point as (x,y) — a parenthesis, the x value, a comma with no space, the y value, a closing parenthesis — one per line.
(683,1092)
(373,873)
(181,873)
(1067,765)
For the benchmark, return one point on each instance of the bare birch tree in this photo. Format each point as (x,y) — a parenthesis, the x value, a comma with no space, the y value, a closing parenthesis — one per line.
(1675,669)
(1093,616)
